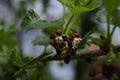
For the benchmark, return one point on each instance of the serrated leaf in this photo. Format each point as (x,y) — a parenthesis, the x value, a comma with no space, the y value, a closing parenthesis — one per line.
(41,41)
(32,20)
(79,6)
(15,58)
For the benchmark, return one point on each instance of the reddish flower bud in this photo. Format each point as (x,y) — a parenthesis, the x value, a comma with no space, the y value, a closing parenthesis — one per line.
(64,38)
(71,38)
(53,43)
(52,36)
(77,35)
(59,32)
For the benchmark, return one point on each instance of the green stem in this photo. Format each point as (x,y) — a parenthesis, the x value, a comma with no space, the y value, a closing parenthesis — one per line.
(113,30)
(108,30)
(66,27)
(111,34)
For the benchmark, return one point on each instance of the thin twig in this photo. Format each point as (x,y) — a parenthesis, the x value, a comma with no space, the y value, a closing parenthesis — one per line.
(84,55)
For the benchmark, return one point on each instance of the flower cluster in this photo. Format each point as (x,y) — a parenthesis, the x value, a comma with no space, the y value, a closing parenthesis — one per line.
(65,45)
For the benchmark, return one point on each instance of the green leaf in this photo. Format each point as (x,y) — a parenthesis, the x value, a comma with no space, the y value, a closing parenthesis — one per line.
(115,18)
(6,38)
(97,41)
(27,59)
(15,58)
(112,10)
(51,30)
(71,24)
(41,41)
(32,20)
(79,6)
(111,5)
(85,38)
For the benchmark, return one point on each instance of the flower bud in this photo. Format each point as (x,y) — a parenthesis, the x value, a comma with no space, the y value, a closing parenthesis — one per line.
(65,38)
(77,35)
(58,32)
(71,38)
(53,43)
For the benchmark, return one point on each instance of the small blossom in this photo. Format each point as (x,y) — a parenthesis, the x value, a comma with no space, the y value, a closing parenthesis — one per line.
(59,39)
(76,42)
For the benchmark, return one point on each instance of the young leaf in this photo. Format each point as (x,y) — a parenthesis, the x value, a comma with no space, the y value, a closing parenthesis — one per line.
(32,20)
(15,58)
(79,6)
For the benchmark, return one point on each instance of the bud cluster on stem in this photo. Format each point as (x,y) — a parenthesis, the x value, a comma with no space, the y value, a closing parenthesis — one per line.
(65,45)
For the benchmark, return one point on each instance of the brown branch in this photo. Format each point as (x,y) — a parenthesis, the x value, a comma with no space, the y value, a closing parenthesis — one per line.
(83,55)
